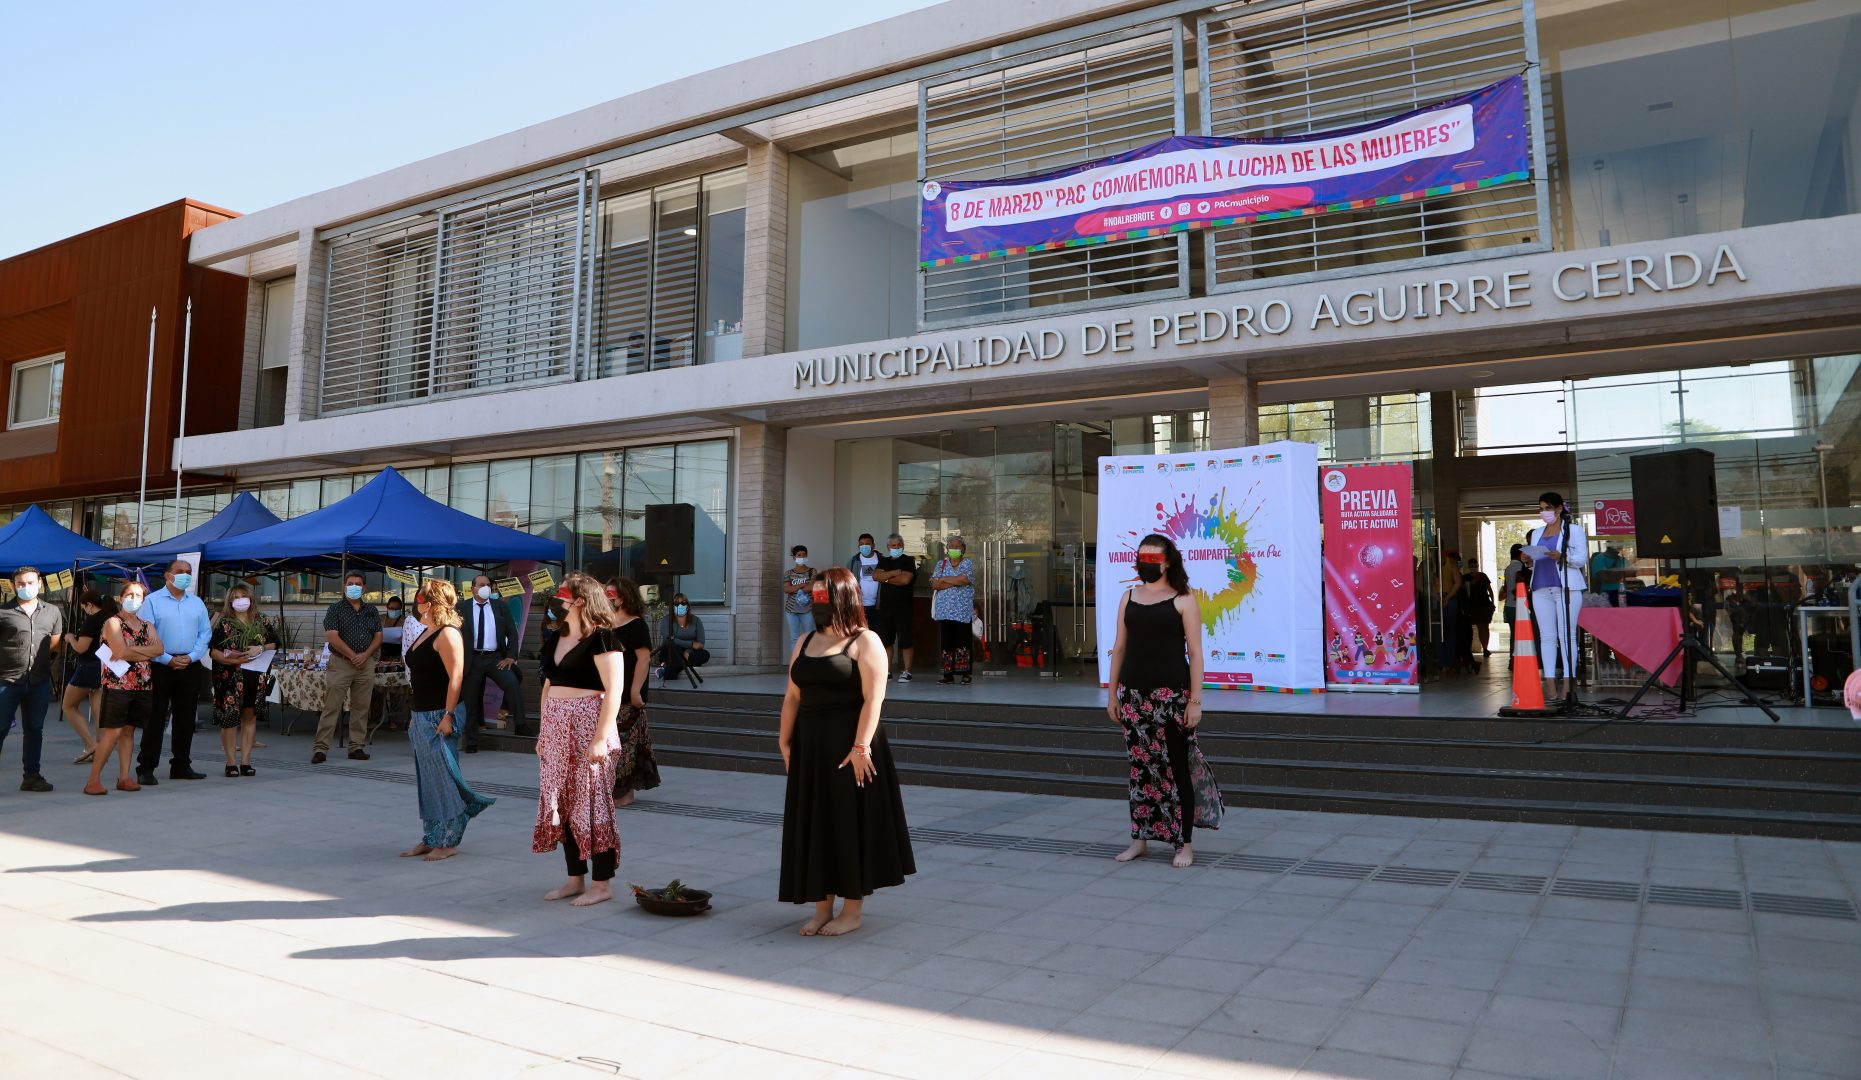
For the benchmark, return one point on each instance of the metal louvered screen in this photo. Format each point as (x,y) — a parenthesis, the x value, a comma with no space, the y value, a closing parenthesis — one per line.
(464,300)
(1047,111)
(1274,70)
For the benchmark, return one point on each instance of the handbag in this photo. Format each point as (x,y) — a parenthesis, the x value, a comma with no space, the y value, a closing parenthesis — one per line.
(1208,805)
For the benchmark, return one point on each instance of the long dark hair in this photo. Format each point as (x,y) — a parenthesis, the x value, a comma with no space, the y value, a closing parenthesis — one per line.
(1173,571)
(848,617)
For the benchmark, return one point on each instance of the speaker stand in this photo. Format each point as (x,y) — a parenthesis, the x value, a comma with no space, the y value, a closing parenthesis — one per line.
(1690,650)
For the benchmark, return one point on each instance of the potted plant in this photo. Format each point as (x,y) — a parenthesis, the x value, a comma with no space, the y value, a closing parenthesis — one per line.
(675,899)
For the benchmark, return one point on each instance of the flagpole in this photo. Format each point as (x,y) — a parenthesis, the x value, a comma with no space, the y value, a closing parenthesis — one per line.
(187,339)
(148,395)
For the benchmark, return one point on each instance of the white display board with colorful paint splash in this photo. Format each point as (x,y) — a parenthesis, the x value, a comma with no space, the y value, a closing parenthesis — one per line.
(1246,521)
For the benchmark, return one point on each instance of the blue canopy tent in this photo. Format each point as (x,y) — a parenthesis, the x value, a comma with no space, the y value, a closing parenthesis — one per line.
(34,539)
(387,522)
(243,515)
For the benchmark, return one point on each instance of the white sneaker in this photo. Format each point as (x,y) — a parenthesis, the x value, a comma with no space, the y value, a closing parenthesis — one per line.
(904,676)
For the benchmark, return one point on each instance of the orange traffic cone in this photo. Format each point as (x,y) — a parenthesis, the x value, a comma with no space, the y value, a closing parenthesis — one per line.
(1527,679)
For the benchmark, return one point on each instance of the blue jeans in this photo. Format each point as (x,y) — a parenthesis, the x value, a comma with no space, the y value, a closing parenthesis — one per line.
(798,623)
(29,700)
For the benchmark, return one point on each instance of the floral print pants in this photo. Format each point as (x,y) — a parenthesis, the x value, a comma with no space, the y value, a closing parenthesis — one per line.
(1162,795)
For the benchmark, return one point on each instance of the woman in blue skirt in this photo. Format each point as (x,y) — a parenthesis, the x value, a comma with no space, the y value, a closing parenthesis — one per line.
(435,672)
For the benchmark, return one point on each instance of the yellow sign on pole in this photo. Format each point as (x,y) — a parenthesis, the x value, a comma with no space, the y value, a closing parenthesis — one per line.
(65,580)
(508,587)
(401,576)
(6,588)
(542,580)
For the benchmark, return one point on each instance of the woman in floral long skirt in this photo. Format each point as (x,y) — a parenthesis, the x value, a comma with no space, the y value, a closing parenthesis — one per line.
(636,770)
(953,605)
(584,687)
(435,673)
(1156,696)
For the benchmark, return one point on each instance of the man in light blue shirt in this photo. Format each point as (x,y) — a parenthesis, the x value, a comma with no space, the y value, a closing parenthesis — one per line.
(177,676)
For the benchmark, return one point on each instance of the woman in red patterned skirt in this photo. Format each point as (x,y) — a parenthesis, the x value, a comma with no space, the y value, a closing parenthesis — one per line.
(584,689)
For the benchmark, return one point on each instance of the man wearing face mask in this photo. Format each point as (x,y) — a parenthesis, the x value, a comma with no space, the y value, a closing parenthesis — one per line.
(490,637)
(353,631)
(797,603)
(897,575)
(29,633)
(865,567)
(178,677)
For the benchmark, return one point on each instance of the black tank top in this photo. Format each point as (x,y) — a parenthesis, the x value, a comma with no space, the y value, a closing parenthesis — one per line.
(1155,647)
(426,674)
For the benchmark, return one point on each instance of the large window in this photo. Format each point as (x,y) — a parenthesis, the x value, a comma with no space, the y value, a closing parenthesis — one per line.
(37,387)
(1676,117)
(616,486)
(669,276)
(853,242)
(274,353)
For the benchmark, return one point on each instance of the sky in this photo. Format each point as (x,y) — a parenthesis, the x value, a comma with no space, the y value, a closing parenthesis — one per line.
(111,108)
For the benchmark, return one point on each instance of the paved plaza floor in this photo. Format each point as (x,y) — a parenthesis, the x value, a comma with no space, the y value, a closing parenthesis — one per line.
(264,927)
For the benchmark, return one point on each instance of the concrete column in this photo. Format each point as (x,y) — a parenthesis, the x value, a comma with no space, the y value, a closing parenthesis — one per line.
(1233,411)
(756,629)
(249,359)
(765,252)
(1350,422)
(303,385)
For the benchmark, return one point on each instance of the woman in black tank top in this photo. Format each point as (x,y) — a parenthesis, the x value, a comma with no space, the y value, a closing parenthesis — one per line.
(1155,694)
(435,672)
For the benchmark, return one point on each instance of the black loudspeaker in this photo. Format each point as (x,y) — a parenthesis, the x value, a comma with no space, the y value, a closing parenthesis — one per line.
(668,539)
(1676,505)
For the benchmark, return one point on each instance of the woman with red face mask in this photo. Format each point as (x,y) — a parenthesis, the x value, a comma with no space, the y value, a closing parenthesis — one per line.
(1155,695)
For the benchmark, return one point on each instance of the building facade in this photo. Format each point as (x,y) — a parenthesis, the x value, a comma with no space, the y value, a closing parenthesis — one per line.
(709,292)
(93,326)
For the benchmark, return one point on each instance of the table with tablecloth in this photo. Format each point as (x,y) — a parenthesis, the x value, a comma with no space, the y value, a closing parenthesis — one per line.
(306,689)
(1642,636)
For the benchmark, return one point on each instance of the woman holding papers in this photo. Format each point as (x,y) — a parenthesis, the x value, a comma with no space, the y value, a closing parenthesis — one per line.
(128,701)
(242,646)
(1555,555)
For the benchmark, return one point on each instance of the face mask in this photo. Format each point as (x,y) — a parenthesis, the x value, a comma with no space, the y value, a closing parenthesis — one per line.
(394,614)
(823,616)
(1549,516)
(241,604)
(353,592)
(895,552)
(680,610)
(865,549)
(132,604)
(483,592)
(956,554)
(1149,572)
(29,593)
(181,581)
(801,560)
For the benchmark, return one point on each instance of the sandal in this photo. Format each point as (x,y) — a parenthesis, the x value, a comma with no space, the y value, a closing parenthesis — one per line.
(232,771)
(247,770)
(85,758)
(94,788)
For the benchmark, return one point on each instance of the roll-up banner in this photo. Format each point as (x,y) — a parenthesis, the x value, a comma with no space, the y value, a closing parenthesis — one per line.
(1370,639)
(1246,522)
(1193,182)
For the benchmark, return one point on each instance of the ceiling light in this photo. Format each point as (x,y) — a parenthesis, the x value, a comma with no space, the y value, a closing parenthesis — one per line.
(1482,374)
(691,232)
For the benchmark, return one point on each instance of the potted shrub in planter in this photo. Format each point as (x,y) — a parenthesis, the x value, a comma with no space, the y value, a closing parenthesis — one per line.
(674,899)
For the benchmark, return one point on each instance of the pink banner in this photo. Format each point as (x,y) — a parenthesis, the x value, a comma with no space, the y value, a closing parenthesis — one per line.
(1370,624)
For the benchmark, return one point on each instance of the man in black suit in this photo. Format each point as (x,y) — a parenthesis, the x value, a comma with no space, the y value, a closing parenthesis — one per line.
(490,639)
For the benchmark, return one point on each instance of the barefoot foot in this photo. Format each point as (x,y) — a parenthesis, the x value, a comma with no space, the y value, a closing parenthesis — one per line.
(1135,851)
(823,915)
(439,853)
(1185,857)
(571,887)
(598,893)
(841,924)
(417,849)
(624,800)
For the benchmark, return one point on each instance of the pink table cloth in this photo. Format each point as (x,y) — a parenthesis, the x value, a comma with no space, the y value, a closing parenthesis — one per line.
(1642,636)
